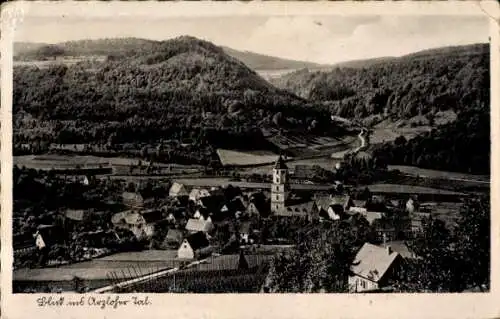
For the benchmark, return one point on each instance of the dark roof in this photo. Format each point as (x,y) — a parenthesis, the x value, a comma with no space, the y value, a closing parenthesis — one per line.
(151,216)
(212,203)
(245,228)
(198,240)
(280,163)
(75,214)
(237,205)
(174,235)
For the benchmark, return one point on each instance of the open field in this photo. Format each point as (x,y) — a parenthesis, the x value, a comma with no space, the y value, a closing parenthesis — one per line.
(120,165)
(300,145)
(232,157)
(219,182)
(383,135)
(409,189)
(326,163)
(429,173)
(46,162)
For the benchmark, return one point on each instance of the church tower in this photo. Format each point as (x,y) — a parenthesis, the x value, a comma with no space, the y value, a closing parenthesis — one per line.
(280,187)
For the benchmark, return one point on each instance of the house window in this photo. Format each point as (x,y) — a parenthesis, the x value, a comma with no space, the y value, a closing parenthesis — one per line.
(363,284)
(277,197)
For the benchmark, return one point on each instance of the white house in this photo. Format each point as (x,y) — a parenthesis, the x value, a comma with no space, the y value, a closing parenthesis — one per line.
(177,190)
(197,193)
(358,210)
(199,225)
(192,245)
(334,212)
(373,268)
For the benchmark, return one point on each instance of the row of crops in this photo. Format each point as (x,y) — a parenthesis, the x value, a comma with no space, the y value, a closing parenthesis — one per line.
(211,281)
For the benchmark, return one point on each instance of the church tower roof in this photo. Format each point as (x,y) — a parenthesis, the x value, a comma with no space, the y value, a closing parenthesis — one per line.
(280,163)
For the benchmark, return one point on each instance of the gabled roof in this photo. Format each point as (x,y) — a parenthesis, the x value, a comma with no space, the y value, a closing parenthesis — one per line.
(340,200)
(152,215)
(245,227)
(358,210)
(237,205)
(197,240)
(134,199)
(373,216)
(75,214)
(212,203)
(359,203)
(372,262)
(177,189)
(300,209)
(197,193)
(198,225)
(128,217)
(174,235)
(280,163)
(323,202)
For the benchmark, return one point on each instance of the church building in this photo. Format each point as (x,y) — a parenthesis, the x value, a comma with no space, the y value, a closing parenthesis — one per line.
(282,203)
(280,187)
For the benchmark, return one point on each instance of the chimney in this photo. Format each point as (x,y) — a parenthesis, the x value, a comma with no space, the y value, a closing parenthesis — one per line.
(389,249)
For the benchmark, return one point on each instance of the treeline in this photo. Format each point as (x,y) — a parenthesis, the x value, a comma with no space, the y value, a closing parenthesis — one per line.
(180,85)
(461,146)
(447,259)
(453,78)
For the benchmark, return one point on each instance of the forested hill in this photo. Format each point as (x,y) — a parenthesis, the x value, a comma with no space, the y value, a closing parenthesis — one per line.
(142,95)
(258,61)
(416,84)
(105,47)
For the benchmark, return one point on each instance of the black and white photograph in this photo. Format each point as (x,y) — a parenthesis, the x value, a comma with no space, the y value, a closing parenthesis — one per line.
(261,154)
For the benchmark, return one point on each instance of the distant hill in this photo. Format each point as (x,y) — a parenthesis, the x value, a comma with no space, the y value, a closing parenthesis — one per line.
(451,78)
(166,89)
(258,61)
(104,47)
(364,63)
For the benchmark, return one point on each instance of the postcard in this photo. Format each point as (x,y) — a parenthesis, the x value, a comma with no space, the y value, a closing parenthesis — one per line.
(250,159)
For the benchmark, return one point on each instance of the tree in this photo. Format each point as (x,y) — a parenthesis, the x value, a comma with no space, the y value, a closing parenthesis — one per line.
(433,270)
(320,261)
(472,248)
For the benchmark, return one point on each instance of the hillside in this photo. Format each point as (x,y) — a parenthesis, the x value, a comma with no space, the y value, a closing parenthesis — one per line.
(258,61)
(24,51)
(182,88)
(417,84)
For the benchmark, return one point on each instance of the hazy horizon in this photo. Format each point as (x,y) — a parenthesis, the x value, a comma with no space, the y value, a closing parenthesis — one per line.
(317,39)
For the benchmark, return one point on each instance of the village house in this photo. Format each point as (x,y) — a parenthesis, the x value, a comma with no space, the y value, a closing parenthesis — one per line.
(335,212)
(358,210)
(133,200)
(151,218)
(359,203)
(194,246)
(235,208)
(133,221)
(373,268)
(283,202)
(82,179)
(173,239)
(244,232)
(199,225)
(258,205)
(412,206)
(371,217)
(177,190)
(417,220)
(76,215)
(197,193)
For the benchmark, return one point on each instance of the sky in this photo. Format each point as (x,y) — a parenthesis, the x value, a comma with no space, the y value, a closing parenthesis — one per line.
(320,39)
